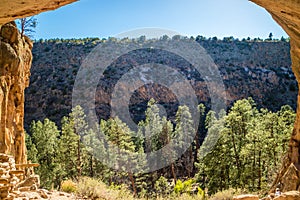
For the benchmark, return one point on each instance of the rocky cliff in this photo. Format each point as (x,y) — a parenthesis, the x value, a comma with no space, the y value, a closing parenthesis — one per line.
(14,9)
(260,69)
(15,63)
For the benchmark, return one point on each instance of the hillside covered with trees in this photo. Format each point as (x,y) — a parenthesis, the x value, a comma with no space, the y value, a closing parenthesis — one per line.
(237,150)
(250,68)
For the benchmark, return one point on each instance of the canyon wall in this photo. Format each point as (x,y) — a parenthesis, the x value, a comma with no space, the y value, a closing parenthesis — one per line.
(261,70)
(15,63)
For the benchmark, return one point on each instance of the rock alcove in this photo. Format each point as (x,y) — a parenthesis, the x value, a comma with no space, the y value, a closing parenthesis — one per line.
(16,57)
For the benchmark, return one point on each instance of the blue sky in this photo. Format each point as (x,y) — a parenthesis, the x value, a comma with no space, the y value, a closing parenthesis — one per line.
(105,18)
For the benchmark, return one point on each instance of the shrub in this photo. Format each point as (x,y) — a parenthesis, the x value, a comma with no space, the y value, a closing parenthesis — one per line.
(201,193)
(68,186)
(94,189)
(188,187)
(178,189)
(91,188)
(162,187)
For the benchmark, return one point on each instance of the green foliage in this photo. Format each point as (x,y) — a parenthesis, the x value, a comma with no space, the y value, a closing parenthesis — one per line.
(243,148)
(186,187)
(31,149)
(248,149)
(45,138)
(201,193)
(68,186)
(59,153)
(162,187)
(68,149)
(178,189)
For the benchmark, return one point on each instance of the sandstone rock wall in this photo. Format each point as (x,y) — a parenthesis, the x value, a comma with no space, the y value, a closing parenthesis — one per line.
(15,63)
(13,9)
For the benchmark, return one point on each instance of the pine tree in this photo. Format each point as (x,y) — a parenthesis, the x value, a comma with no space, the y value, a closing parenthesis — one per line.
(31,149)
(45,138)
(68,149)
(121,152)
(95,145)
(184,134)
(213,154)
(248,150)
(77,118)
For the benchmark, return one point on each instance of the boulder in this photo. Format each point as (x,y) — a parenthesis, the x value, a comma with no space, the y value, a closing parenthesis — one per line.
(246,197)
(292,195)
(43,194)
(30,181)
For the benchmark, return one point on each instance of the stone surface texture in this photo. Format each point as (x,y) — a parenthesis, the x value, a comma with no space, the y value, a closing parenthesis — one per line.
(292,195)
(13,181)
(14,9)
(246,197)
(15,63)
(15,184)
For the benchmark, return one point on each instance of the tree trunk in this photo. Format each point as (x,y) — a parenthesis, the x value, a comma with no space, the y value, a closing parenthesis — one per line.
(91,166)
(132,183)
(236,155)
(78,159)
(173,172)
(259,171)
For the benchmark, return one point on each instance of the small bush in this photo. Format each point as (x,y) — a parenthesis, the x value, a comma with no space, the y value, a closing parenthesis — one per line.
(184,187)
(91,188)
(161,186)
(68,186)
(178,189)
(94,189)
(201,193)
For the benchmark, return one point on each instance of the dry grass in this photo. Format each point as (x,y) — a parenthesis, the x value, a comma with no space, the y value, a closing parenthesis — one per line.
(225,194)
(94,189)
(68,186)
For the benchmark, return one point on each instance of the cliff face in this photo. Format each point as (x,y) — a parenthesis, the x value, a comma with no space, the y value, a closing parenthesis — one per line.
(261,70)
(13,9)
(287,14)
(15,63)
